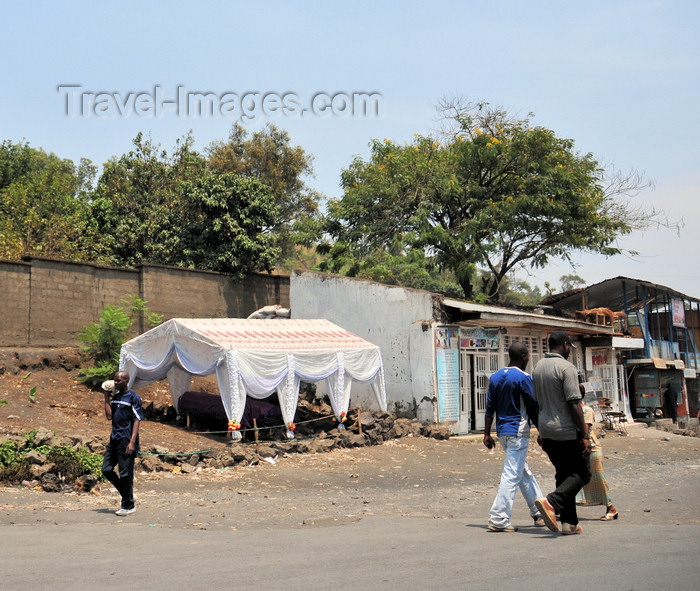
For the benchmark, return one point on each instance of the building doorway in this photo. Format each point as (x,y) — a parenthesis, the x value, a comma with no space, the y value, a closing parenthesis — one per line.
(465,393)
(475,370)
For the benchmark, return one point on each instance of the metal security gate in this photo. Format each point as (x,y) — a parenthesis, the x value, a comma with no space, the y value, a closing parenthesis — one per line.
(465,392)
(475,368)
(481,385)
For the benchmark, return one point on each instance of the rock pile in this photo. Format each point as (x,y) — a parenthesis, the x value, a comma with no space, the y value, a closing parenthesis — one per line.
(38,471)
(317,432)
(684,426)
(312,436)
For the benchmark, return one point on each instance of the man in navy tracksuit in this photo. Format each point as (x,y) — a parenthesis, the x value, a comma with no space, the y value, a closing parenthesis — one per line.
(126,415)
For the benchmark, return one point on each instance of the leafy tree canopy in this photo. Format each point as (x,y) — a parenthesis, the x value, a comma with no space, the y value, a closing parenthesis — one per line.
(571,281)
(269,156)
(495,192)
(135,198)
(43,204)
(229,225)
(410,269)
(243,207)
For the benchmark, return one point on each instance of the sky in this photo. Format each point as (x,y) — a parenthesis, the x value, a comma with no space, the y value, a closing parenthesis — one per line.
(620,78)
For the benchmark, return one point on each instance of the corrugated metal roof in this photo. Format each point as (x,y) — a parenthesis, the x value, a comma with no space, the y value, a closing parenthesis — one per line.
(508,317)
(614,294)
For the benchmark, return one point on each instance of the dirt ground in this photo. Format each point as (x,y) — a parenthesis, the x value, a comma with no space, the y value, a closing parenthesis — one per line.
(653,474)
(64,405)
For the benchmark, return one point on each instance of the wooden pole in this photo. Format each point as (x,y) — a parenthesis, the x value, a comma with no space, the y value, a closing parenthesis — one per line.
(359,419)
(255,428)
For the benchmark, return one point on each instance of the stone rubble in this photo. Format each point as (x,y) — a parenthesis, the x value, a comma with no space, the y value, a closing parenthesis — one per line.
(316,433)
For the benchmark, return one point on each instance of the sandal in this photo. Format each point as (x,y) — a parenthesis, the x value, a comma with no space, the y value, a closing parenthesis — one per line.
(610,515)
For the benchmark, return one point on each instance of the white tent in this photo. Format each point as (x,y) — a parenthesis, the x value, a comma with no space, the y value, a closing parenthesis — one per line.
(255,358)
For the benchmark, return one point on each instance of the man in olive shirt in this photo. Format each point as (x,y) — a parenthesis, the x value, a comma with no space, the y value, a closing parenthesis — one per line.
(563,431)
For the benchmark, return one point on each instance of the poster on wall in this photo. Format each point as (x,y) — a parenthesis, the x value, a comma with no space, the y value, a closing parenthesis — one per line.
(678,310)
(591,395)
(593,392)
(447,360)
(596,385)
(479,338)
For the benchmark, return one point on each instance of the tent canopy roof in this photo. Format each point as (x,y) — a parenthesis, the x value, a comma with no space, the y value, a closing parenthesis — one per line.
(282,334)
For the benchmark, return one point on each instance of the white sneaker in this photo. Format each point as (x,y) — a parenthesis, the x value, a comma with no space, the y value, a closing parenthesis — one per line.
(121,512)
(505,528)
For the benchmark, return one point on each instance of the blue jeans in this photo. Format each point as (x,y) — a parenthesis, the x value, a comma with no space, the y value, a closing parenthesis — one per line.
(516,474)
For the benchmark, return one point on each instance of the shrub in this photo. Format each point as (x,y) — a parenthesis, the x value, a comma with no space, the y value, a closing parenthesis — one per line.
(103,340)
(13,462)
(71,463)
(9,453)
(68,463)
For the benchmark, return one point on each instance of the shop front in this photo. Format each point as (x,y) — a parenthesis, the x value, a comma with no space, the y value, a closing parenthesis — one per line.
(649,383)
(480,352)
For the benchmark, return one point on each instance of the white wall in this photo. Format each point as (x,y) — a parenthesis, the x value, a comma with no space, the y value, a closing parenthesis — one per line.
(399,321)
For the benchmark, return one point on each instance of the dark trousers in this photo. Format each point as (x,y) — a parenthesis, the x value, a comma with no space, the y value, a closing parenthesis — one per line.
(671,411)
(115,455)
(572,472)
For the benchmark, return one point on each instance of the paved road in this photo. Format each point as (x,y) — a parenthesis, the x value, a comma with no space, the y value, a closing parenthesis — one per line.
(405,516)
(375,553)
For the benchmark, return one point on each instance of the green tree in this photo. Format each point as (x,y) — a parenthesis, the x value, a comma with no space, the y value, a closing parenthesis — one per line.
(496,192)
(374,225)
(229,225)
(44,209)
(393,267)
(571,281)
(516,292)
(136,204)
(268,156)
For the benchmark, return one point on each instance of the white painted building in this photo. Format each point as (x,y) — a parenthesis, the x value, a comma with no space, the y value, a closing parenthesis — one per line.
(399,320)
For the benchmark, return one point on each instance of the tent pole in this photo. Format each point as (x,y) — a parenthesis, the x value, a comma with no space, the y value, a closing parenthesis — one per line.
(359,419)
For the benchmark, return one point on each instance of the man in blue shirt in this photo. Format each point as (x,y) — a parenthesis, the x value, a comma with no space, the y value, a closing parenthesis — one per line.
(124,410)
(510,393)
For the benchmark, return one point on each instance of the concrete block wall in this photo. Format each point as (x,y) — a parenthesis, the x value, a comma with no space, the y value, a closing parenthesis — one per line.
(244,297)
(67,296)
(188,293)
(14,310)
(47,302)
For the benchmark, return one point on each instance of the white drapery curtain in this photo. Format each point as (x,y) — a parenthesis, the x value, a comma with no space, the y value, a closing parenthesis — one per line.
(180,353)
(260,373)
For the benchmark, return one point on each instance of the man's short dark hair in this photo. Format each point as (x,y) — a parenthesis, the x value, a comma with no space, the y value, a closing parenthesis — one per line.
(559,338)
(517,350)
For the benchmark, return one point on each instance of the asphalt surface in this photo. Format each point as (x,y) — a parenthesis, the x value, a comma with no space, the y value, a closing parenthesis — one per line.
(407,515)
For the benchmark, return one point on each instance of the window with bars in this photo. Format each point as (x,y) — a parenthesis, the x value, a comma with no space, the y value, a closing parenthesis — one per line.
(607,376)
(536,344)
